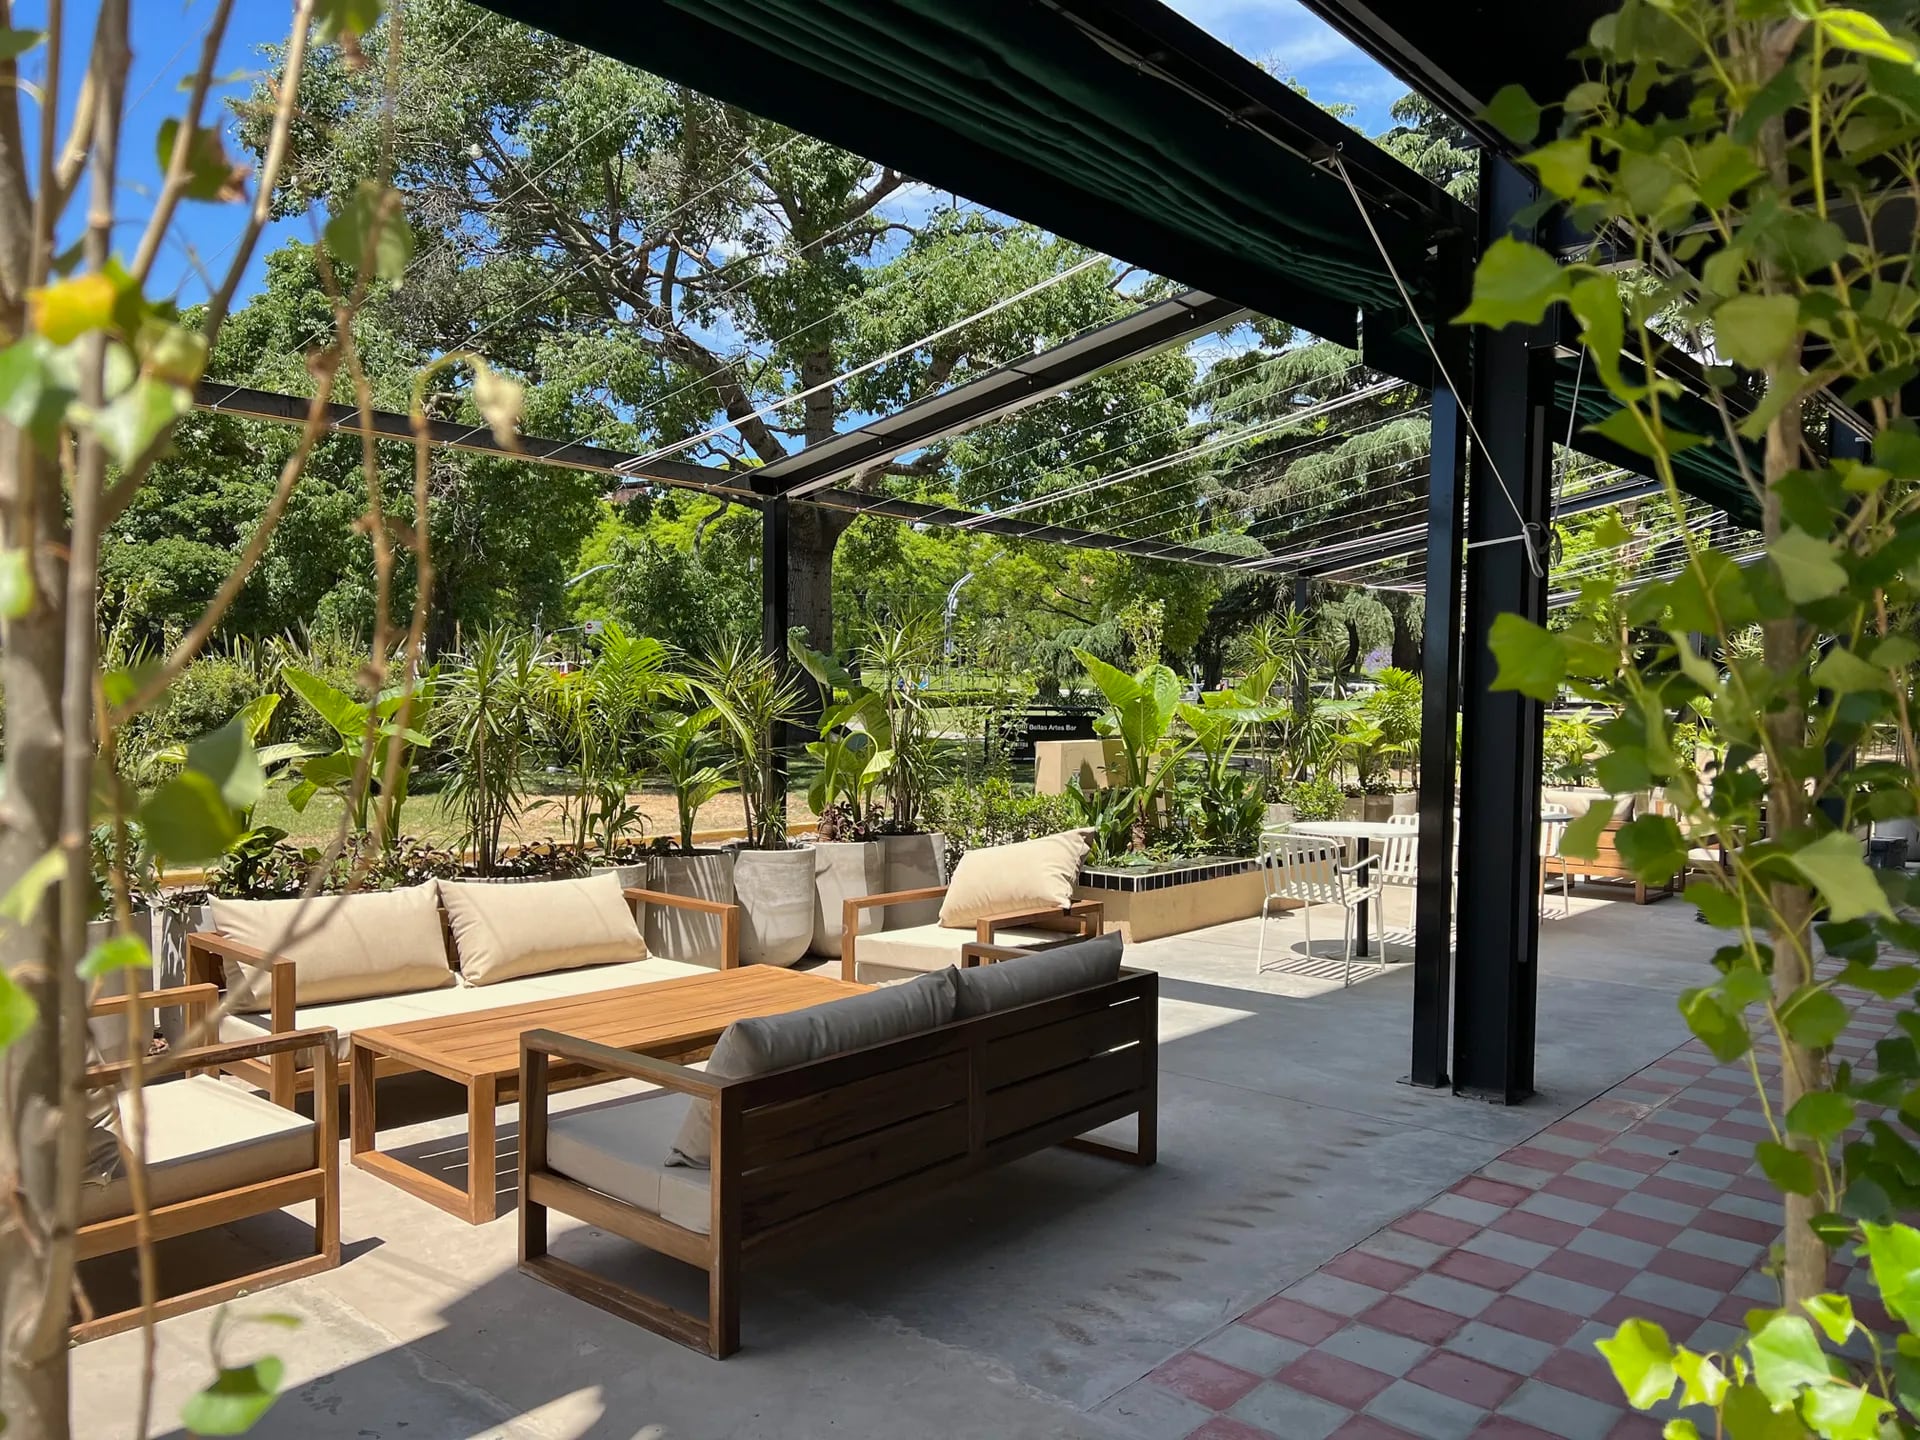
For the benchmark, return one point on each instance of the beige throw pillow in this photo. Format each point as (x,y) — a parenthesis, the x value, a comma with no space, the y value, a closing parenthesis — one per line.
(773,1042)
(502,932)
(1012,879)
(345,947)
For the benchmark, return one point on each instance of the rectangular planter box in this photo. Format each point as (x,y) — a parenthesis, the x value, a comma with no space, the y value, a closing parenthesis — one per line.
(1147,903)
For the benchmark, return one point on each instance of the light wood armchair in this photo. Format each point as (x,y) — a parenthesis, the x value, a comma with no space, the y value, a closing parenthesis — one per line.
(1081,919)
(281,1165)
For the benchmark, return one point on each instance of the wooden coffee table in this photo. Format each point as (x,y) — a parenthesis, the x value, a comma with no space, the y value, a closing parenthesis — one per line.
(669,1019)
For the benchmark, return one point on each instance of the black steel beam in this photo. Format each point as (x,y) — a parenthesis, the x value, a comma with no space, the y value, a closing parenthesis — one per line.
(1000,392)
(626,471)
(1439,711)
(1499,929)
(775,571)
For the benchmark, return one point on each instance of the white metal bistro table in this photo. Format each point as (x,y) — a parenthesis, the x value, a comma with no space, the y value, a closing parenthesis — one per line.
(1363,833)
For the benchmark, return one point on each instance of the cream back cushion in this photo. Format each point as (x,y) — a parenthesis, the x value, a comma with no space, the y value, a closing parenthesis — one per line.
(344,947)
(502,932)
(773,1042)
(1012,879)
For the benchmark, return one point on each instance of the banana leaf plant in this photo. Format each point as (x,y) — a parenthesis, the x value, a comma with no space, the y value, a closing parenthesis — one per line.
(855,748)
(332,772)
(1224,805)
(1141,709)
(686,749)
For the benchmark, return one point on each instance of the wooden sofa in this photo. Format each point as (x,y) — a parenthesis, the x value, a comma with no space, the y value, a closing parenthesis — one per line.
(1606,864)
(824,1144)
(215,1153)
(882,955)
(215,958)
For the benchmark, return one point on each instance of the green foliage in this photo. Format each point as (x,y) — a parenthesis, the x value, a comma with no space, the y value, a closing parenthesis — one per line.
(974,814)
(753,700)
(1570,747)
(1318,797)
(370,767)
(687,751)
(489,725)
(1723,217)
(601,715)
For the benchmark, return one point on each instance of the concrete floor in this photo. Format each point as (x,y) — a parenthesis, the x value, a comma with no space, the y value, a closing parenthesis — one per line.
(1019,1304)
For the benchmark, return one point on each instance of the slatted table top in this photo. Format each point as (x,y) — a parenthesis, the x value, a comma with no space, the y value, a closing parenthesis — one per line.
(665,1016)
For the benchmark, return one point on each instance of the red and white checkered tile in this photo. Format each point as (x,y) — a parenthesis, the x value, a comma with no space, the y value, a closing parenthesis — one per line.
(1475,1315)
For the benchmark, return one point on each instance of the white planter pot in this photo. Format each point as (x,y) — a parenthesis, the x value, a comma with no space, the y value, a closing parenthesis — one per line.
(630,876)
(844,870)
(171,926)
(1279,813)
(1904,827)
(913,862)
(1406,802)
(774,889)
(687,935)
(109,1032)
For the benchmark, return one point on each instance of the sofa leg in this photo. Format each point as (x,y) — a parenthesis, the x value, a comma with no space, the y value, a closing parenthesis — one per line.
(723,1304)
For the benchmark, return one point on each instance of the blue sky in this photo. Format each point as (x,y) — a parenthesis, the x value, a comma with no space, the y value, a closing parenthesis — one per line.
(1280,34)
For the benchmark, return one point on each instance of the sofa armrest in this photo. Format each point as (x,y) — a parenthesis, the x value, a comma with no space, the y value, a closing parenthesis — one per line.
(976,952)
(728,912)
(1082,917)
(850,917)
(539,1047)
(212,1057)
(206,947)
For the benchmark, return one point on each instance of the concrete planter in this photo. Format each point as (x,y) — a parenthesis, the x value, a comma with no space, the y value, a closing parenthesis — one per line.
(1405,802)
(630,876)
(683,934)
(845,870)
(774,890)
(913,862)
(1279,813)
(1145,903)
(109,1032)
(1368,807)
(171,926)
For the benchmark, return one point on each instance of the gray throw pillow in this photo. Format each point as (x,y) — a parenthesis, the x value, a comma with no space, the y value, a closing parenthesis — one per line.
(1001,986)
(774,1042)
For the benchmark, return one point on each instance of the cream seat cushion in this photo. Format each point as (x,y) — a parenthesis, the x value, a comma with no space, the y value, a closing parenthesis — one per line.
(344,947)
(503,932)
(922,949)
(343,1020)
(1012,879)
(621,1150)
(203,1136)
(773,1042)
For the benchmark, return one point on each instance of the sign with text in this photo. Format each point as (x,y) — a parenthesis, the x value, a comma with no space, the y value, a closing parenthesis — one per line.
(1020,729)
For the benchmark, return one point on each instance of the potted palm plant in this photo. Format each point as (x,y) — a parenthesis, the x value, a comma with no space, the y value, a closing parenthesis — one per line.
(602,713)
(686,749)
(772,880)
(913,857)
(488,726)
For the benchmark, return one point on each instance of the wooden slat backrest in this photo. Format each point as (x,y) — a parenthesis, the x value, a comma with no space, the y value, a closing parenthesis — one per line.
(837,1134)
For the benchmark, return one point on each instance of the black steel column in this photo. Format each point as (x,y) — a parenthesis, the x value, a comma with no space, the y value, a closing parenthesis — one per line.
(1439,709)
(1499,929)
(774,572)
(1302,588)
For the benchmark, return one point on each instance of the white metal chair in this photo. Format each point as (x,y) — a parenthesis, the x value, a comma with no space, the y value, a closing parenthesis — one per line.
(1552,832)
(1307,868)
(1400,863)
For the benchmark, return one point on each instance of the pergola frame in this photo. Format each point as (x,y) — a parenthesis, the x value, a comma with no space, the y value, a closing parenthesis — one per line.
(1145,67)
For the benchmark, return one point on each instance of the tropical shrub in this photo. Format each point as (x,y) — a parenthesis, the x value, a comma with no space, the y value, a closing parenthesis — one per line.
(971,814)
(1318,797)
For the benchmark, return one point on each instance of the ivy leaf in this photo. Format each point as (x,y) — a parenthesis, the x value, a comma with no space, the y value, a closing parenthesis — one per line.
(236,1400)
(32,395)
(1624,430)
(226,756)
(1833,1314)
(1787,1355)
(1642,1360)
(1531,659)
(15,43)
(1845,673)
(16,583)
(1513,113)
(1755,330)
(186,820)
(1652,846)
(1581,839)
(117,952)
(1834,866)
(1809,568)
(210,175)
(1863,34)
(68,309)
(1514,283)
(130,425)
(1820,1115)
(1844,1412)
(1721,1030)
(1562,165)
(1704,1381)
(333,19)
(1894,1253)
(1720,909)
(1788,1169)
(1814,1017)
(18,1013)
(23,897)
(369,232)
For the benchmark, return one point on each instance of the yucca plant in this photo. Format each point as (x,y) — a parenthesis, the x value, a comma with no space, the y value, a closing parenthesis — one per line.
(490,722)
(688,752)
(754,701)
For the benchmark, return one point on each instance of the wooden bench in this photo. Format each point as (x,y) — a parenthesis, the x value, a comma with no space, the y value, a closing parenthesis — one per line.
(810,1150)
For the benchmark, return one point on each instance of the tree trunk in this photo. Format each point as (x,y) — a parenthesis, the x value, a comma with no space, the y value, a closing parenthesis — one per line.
(36,1246)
